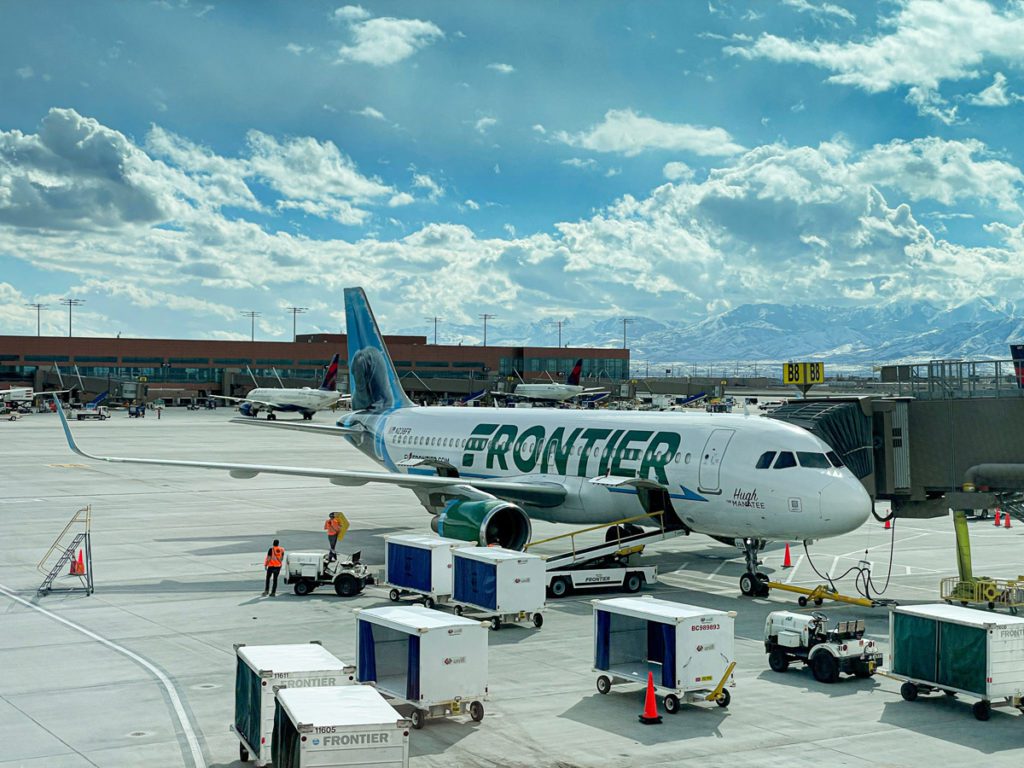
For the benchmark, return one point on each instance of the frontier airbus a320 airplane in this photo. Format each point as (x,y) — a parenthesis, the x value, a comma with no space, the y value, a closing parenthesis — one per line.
(484,473)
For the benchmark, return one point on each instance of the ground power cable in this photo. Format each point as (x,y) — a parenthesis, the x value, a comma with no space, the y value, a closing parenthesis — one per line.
(863,582)
(194,752)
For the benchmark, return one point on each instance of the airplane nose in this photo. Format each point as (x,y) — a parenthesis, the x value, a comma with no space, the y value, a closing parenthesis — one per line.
(845,505)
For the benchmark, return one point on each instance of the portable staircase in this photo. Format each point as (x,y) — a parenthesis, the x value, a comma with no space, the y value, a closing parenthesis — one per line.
(1012,504)
(70,556)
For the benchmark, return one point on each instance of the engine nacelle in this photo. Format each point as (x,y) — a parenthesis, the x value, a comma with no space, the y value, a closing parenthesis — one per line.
(485,522)
(246,409)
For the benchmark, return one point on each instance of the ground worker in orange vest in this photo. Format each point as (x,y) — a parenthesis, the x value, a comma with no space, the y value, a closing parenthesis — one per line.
(275,556)
(335,525)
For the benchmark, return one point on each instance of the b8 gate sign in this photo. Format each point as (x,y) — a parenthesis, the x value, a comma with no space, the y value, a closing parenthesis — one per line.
(803,374)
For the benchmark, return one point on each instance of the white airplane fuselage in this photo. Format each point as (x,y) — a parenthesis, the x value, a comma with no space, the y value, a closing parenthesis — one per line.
(16,395)
(707,462)
(552,391)
(305,399)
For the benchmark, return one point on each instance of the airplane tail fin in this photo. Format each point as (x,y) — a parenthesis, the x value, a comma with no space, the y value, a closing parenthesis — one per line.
(330,382)
(372,379)
(1017,353)
(574,377)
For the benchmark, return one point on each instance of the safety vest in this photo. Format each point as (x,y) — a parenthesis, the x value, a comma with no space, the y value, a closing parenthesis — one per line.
(274,557)
(332,526)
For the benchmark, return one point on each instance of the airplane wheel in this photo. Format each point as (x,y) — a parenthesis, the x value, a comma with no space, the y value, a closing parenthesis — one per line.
(748,583)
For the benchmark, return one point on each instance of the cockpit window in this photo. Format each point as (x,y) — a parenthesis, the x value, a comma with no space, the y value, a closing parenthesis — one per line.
(812,460)
(766,460)
(785,460)
(833,457)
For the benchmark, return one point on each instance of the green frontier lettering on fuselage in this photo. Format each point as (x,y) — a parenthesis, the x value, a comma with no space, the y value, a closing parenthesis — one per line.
(582,452)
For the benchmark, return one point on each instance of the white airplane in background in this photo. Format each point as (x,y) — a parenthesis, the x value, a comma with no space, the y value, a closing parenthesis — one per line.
(26,394)
(483,473)
(304,400)
(553,391)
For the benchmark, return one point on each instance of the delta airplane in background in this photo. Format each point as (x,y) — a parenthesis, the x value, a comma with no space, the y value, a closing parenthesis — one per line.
(305,400)
(484,473)
(554,392)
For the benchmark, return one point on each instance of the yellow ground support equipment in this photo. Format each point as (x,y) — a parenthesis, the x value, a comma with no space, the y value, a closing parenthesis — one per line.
(820,593)
(968,589)
(718,693)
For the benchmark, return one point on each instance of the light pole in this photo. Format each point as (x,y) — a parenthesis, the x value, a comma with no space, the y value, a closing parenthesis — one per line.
(435,320)
(559,324)
(38,308)
(252,315)
(69,303)
(485,317)
(295,312)
(625,321)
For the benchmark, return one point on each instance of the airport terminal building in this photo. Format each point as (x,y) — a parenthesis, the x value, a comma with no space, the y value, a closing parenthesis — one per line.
(187,368)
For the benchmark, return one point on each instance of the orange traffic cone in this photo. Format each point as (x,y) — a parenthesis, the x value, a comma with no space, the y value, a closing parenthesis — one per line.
(787,562)
(650,715)
(1006,519)
(74,568)
(888,524)
(81,563)
(999,514)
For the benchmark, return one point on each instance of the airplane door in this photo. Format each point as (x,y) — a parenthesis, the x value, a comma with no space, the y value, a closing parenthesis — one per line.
(711,460)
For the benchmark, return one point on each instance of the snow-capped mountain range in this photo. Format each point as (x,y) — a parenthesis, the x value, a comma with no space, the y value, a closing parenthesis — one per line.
(855,337)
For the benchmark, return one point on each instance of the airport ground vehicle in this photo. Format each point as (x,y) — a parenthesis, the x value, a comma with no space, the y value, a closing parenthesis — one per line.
(958,651)
(98,413)
(689,650)
(306,571)
(790,637)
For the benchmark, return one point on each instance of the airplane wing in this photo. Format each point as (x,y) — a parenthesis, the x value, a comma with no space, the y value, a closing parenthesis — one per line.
(535,493)
(299,426)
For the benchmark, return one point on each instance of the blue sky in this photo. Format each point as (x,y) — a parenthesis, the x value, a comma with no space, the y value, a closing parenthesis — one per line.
(174,163)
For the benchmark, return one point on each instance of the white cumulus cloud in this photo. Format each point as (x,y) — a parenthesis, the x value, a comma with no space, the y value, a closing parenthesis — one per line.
(504,69)
(629,133)
(384,41)
(996,95)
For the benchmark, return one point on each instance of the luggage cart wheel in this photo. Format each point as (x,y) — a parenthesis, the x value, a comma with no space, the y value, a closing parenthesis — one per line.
(672,704)
(538,620)
(724,699)
(908,691)
(458,610)
(428,602)
(476,711)
(394,594)
(243,753)
(604,684)
(419,718)
(802,601)
(495,623)
(982,710)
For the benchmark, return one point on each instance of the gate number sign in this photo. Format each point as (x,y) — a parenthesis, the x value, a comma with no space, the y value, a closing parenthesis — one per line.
(803,373)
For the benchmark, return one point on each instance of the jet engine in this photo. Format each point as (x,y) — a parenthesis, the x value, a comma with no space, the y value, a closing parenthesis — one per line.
(489,521)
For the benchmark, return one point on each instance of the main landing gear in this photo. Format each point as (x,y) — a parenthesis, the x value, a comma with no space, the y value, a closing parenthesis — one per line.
(753,583)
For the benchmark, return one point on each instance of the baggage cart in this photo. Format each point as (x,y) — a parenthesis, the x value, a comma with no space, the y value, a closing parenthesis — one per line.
(258,668)
(690,650)
(420,565)
(348,727)
(427,660)
(499,585)
(958,650)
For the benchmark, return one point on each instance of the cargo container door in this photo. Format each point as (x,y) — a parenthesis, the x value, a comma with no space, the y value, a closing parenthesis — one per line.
(962,656)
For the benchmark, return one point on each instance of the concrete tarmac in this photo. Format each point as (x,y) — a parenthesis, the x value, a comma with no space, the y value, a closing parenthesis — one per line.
(178,559)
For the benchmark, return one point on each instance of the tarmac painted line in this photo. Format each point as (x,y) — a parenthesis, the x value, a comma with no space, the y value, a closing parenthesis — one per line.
(179,709)
(796,567)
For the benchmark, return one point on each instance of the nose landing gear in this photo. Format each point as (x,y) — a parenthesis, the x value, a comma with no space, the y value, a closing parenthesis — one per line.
(753,583)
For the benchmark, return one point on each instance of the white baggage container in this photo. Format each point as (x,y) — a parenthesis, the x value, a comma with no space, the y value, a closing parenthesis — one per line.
(348,727)
(432,661)
(501,584)
(689,649)
(958,650)
(420,565)
(258,668)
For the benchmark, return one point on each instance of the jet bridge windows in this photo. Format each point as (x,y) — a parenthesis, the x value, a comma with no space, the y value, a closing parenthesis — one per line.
(766,460)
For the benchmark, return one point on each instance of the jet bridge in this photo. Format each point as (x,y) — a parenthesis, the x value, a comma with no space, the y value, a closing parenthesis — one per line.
(914,448)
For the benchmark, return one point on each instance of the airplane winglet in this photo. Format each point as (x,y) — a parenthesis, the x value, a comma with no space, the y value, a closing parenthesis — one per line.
(67,431)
